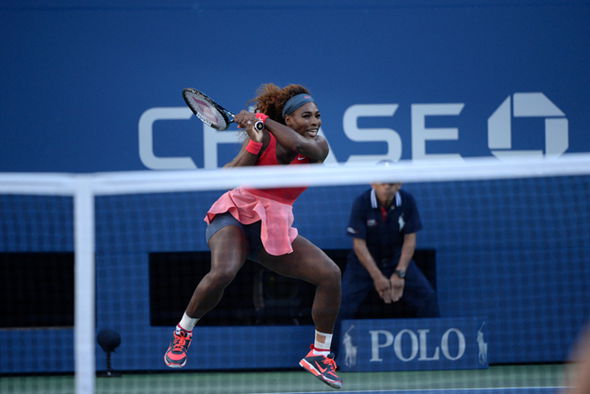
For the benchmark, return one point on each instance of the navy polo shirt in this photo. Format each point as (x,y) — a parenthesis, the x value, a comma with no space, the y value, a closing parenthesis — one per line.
(384,234)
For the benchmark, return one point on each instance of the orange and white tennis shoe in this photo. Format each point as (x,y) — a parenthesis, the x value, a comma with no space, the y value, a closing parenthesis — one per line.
(175,356)
(322,367)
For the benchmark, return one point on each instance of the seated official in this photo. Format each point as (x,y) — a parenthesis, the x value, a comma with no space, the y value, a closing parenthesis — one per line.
(383,224)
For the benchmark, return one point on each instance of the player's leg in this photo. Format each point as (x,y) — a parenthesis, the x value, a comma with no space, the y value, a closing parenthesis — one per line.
(228,253)
(309,263)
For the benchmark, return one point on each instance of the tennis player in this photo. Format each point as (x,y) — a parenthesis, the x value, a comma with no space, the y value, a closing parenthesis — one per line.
(256,224)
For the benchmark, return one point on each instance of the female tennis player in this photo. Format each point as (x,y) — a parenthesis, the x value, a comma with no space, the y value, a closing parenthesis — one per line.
(256,224)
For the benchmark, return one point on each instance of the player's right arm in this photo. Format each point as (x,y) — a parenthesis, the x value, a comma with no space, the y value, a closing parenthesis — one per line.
(244,158)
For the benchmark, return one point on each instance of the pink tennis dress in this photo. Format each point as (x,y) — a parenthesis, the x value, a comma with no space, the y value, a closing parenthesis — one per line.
(272,207)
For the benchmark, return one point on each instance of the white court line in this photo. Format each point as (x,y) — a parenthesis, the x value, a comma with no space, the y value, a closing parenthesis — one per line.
(393,391)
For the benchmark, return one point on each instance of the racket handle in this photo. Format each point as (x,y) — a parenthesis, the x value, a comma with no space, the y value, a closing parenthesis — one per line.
(259,125)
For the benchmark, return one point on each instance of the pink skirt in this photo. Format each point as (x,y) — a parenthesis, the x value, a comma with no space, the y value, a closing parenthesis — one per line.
(276,231)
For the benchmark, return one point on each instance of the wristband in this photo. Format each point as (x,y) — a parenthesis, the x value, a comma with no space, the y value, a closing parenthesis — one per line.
(254,147)
(262,117)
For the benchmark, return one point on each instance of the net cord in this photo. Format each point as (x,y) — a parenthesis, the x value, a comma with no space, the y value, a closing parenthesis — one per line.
(134,182)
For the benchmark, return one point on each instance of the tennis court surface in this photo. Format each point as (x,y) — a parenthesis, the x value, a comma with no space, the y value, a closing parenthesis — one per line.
(521,379)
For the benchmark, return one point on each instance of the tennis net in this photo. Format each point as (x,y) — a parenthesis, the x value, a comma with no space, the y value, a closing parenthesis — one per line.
(97,269)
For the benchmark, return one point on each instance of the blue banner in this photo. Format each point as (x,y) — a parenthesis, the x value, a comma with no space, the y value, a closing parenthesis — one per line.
(413,344)
(96,86)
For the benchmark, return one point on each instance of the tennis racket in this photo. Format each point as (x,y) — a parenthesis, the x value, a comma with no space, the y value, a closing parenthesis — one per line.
(210,112)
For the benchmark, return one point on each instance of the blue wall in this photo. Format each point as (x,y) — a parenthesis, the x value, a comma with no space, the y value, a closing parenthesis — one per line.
(78,78)
(511,252)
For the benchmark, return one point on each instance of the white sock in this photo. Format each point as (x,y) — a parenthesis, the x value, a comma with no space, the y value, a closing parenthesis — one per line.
(322,343)
(188,323)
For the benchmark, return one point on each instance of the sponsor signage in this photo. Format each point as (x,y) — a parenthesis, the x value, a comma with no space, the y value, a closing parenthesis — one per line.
(551,135)
(423,102)
(413,344)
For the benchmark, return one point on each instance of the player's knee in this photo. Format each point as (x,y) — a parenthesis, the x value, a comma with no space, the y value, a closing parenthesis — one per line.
(222,277)
(332,274)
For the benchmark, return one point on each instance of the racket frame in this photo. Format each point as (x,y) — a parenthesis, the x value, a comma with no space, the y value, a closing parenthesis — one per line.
(227,116)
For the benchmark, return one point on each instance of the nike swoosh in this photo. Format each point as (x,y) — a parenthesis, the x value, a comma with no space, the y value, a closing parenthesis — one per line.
(300,158)
(322,370)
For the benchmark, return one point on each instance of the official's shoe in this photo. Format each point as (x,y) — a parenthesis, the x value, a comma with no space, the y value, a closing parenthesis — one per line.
(323,368)
(175,356)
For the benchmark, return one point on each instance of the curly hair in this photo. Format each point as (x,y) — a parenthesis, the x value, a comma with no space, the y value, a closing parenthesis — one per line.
(271,99)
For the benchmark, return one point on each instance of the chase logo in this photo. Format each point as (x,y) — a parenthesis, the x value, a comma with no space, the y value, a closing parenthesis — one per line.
(526,105)
(503,141)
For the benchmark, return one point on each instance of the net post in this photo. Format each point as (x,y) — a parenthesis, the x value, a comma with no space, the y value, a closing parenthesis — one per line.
(84,324)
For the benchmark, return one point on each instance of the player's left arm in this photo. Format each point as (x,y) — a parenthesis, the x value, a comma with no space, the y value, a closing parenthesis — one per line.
(316,148)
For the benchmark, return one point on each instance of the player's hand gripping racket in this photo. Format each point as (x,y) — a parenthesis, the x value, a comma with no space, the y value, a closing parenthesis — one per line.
(210,113)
